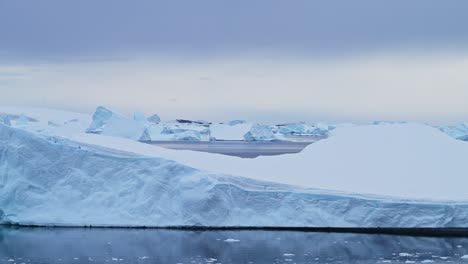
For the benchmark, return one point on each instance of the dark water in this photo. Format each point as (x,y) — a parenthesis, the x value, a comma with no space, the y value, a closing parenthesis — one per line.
(243,149)
(42,245)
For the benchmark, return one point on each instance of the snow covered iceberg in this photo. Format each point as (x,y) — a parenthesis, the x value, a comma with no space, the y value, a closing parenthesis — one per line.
(48,181)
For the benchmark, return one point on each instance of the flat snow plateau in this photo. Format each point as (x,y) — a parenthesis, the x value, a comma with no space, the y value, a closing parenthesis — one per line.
(393,175)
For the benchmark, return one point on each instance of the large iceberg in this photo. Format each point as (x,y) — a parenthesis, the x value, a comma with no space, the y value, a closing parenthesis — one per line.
(46,181)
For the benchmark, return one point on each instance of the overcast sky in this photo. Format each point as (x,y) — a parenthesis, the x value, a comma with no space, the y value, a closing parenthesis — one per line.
(272,60)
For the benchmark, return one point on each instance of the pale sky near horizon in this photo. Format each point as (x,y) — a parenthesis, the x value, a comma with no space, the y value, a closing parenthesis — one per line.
(265,60)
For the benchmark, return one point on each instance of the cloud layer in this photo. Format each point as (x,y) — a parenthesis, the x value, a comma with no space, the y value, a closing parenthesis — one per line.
(404,86)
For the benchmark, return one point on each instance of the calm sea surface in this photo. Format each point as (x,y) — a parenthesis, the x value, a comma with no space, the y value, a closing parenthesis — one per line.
(80,245)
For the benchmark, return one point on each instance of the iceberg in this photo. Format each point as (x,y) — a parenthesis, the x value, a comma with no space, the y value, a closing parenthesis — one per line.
(300,129)
(164,132)
(260,133)
(110,123)
(61,182)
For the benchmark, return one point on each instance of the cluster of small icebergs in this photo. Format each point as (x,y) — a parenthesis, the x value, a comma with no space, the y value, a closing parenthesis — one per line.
(106,121)
(111,123)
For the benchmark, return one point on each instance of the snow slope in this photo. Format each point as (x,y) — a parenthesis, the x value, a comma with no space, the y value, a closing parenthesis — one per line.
(56,181)
(400,160)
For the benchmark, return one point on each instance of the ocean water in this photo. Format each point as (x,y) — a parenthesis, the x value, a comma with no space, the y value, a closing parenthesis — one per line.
(106,245)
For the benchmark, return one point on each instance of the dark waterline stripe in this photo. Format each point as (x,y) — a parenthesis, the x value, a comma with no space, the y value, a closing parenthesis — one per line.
(410,231)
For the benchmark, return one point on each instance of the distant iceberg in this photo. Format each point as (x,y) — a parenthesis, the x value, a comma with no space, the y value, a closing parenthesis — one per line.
(260,133)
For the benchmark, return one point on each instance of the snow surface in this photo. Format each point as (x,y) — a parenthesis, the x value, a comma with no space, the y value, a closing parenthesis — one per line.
(47,180)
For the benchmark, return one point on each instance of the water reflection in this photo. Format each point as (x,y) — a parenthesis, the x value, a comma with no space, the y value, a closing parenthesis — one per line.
(42,245)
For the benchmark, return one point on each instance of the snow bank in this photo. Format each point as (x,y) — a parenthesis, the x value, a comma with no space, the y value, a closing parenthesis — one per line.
(49,181)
